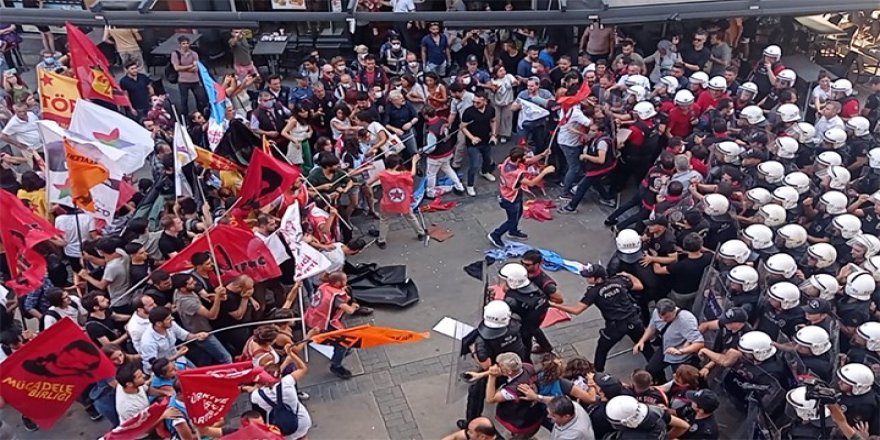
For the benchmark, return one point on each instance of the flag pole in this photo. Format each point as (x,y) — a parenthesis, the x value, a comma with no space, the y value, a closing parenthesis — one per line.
(302,321)
(244,324)
(210,242)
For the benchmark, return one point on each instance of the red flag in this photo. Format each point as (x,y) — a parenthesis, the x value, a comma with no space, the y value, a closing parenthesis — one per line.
(266,178)
(238,251)
(20,231)
(210,392)
(397,190)
(43,378)
(567,102)
(253,430)
(140,423)
(92,69)
(126,192)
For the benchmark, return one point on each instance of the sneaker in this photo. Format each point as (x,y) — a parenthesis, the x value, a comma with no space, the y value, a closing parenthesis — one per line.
(29,425)
(341,372)
(93,413)
(518,234)
(610,221)
(421,237)
(503,140)
(611,203)
(574,189)
(381,244)
(565,210)
(458,191)
(495,241)
(303,396)
(471,191)
(488,176)
(566,196)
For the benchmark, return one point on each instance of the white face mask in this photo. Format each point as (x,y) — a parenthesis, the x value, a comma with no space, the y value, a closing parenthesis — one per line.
(395,47)
(534,71)
(378,95)
(413,64)
(466,80)
(340,68)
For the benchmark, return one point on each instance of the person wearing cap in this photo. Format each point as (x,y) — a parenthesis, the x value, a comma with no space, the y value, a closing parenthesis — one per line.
(627,258)
(732,324)
(700,415)
(818,312)
(608,387)
(613,297)
(686,273)
(301,91)
(871,109)
(680,339)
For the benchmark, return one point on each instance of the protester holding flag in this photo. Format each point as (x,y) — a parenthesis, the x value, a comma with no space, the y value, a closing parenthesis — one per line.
(397,188)
(195,317)
(270,398)
(330,303)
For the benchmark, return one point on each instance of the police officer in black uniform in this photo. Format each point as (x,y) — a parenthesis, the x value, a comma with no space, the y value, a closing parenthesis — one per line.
(532,260)
(612,296)
(498,333)
(635,420)
(731,325)
(527,301)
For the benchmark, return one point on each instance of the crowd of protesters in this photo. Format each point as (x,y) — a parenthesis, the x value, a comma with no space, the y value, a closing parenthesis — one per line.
(733,184)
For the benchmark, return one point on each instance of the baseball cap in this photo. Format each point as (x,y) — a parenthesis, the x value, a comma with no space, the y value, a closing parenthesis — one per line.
(732,315)
(472,59)
(816,306)
(609,384)
(705,399)
(594,270)
(659,220)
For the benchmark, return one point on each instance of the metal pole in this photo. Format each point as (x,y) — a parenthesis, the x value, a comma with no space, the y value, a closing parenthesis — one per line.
(302,321)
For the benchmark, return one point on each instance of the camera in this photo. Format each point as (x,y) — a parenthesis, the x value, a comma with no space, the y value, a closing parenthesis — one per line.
(821,392)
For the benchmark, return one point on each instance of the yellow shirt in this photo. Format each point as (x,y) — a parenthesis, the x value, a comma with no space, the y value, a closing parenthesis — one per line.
(126,39)
(37,200)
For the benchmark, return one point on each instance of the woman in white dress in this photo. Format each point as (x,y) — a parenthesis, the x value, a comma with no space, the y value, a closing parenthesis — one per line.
(298,131)
(289,395)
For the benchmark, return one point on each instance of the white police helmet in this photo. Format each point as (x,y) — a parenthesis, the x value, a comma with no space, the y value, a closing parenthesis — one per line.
(753,115)
(797,180)
(826,285)
(496,314)
(772,171)
(759,236)
(758,344)
(786,196)
(789,112)
(781,264)
(834,202)
(744,275)
(847,225)
(626,411)
(715,205)
(786,147)
(645,110)
(735,250)
(773,215)
(718,83)
(815,338)
(515,275)
(870,332)
(684,97)
(859,125)
(825,254)
(859,376)
(860,286)
(793,236)
(788,295)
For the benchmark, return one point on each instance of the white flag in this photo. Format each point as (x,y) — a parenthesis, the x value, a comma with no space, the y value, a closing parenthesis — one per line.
(114,130)
(184,153)
(273,242)
(530,112)
(309,262)
(105,195)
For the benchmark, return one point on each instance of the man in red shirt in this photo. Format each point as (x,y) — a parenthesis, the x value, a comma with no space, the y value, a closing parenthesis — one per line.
(512,178)
(397,191)
(682,117)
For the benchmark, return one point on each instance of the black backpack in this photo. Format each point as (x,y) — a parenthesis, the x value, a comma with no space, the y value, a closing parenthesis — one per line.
(51,313)
(280,414)
(171,74)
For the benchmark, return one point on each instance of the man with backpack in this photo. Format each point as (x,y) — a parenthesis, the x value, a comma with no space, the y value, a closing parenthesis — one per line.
(184,70)
(280,401)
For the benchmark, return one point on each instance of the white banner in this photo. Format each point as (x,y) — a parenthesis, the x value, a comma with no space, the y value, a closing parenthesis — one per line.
(530,112)
(309,262)
(184,153)
(114,130)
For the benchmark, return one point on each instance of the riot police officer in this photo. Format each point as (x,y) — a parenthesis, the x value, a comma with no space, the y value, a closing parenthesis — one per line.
(725,351)
(498,333)
(636,420)
(866,345)
(526,300)
(813,344)
(782,311)
(858,399)
(759,373)
(612,296)
(807,425)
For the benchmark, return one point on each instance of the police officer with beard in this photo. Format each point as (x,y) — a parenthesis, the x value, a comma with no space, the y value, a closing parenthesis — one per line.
(526,300)
(498,333)
(866,346)
(612,296)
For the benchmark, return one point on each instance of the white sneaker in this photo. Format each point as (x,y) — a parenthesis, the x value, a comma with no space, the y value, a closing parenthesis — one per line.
(471,192)
(488,176)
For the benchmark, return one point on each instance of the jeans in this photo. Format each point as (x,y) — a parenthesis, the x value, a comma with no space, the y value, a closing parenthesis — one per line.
(478,156)
(514,212)
(213,348)
(439,69)
(409,144)
(437,165)
(339,354)
(537,133)
(572,166)
(584,185)
(198,93)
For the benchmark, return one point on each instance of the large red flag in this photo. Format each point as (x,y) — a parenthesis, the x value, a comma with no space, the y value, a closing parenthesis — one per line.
(20,231)
(92,69)
(397,190)
(567,102)
(140,423)
(253,430)
(43,378)
(266,178)
(238,251)
(209,392)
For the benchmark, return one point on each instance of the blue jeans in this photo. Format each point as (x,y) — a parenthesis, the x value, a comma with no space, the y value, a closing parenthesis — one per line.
(514,211)
(103,398)
(573,166)
(215,350)
(584,185)
(339,354)
(478,156)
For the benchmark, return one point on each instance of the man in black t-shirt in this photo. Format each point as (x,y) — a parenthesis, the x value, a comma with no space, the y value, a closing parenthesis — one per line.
(871,110)
(612,296)
(171,241)
(478,127)
(139,89)
(696,55)
(686,273)
(101,324)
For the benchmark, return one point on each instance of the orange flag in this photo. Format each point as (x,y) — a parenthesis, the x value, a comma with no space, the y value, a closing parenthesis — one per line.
(367,336)
(58,95)
(83,175)
(266,147)
(208,159)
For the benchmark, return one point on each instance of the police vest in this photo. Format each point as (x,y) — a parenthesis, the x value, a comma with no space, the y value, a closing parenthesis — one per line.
(598,169)
(529,303)
(650,147)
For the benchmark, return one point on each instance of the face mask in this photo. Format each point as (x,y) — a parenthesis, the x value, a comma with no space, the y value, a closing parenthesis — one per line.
(340,68)
(534,71)
(362,56)
(268,104)
(395,47)
(378,95)
(346,86)
(466,81)
(413,64)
